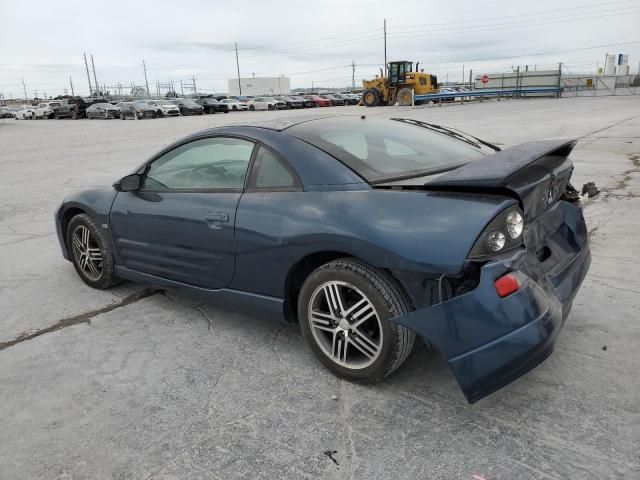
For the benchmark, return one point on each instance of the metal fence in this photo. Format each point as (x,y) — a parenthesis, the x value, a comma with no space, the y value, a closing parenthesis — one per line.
(600,85)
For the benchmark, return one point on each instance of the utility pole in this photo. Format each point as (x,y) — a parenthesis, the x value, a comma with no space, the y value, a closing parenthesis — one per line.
(71,83)
(86,66)
(385,47)
(144,67)
(181,90)
(25,90)
(238,68)
(353,74)
(462,74)
(195,90)
(95,79)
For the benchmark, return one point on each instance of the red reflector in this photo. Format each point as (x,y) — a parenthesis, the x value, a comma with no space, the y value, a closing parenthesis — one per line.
(507,284)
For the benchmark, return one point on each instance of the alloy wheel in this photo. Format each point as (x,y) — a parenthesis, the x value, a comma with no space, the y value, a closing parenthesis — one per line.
(345,325)
(87,253)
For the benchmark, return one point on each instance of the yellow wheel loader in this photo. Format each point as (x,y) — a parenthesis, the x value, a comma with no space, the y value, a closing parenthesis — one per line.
(397,87)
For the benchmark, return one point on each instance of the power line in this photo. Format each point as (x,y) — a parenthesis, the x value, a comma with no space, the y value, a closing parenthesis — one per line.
(538,54)
(528,15)
(506,26)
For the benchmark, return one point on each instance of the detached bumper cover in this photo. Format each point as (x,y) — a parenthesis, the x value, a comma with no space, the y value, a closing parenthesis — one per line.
(490,341)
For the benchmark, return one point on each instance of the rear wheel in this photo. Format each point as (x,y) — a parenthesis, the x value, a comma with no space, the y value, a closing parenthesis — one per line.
(160,114)
(90,252)
(344,310)
(371,98)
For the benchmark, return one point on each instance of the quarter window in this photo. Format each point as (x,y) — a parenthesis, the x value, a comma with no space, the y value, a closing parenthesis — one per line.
(207,164)
(269,172)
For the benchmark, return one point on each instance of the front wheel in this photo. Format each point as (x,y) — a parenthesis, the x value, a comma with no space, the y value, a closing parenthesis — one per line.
(252,108)
(90,252)
(344,310)
(405,97)
(371,98)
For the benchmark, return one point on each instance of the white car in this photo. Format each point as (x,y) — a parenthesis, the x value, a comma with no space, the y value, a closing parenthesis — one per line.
(234,104)
(262,103)
(164,108)
(26,112)
(46,110)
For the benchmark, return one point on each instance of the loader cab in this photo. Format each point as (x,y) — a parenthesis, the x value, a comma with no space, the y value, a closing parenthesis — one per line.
(397,71)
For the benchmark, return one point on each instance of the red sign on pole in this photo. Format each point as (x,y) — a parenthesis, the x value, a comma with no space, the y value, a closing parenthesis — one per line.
(485,78)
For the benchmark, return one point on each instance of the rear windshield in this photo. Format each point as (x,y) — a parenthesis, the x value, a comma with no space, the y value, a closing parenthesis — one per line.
(380,150)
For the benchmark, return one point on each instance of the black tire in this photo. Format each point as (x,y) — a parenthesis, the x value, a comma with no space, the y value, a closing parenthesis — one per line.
(159,114)
(270,107)
(252,108)
(107,276)
(388,300)
(371,97)
(404,97)
(234,108)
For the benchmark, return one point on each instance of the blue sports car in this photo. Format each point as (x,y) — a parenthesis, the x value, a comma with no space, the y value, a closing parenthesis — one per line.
(367,232)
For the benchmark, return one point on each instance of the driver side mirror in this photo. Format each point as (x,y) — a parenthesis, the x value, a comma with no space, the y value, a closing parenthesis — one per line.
(130,183)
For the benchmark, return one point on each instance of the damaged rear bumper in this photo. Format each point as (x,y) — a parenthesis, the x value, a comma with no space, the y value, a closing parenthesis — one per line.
(490,341)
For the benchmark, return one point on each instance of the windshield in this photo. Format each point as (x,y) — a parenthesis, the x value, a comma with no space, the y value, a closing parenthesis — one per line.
(383,149)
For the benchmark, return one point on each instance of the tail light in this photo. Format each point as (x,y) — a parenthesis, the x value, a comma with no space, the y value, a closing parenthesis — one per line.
(503,233)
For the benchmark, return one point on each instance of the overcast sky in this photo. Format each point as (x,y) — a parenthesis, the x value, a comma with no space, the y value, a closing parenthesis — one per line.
(43,41)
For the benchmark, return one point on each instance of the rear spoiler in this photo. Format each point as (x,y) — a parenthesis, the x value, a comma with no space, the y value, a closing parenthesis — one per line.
(497,170)
(537,173)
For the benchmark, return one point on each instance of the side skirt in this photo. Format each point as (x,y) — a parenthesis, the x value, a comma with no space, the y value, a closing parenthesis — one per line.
(272,307)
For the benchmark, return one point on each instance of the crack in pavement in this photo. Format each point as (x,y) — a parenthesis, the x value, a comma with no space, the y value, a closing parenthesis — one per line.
(82,318)
(347,429)
(195,306)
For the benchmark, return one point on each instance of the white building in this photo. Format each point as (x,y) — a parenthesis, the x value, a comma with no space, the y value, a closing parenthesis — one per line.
(260,86)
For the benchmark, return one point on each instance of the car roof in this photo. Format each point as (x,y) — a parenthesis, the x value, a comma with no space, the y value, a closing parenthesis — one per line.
(280,124)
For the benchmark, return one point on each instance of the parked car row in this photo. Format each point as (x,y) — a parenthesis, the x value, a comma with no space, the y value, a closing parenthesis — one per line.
(93,108)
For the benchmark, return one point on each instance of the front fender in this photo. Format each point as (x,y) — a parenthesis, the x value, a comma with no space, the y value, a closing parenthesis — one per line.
(95,202)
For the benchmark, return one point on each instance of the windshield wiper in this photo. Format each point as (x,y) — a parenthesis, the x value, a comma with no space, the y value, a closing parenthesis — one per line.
(452,132)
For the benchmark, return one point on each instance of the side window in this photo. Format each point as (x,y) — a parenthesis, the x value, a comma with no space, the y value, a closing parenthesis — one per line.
(210,163)
(269,172)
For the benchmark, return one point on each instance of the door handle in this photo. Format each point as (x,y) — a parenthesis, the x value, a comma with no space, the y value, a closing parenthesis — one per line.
(217,217)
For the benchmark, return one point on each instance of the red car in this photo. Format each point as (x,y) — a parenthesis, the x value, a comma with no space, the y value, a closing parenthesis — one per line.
(318,101)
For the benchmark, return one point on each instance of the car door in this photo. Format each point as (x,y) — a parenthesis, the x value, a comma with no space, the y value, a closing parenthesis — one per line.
(180,224)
